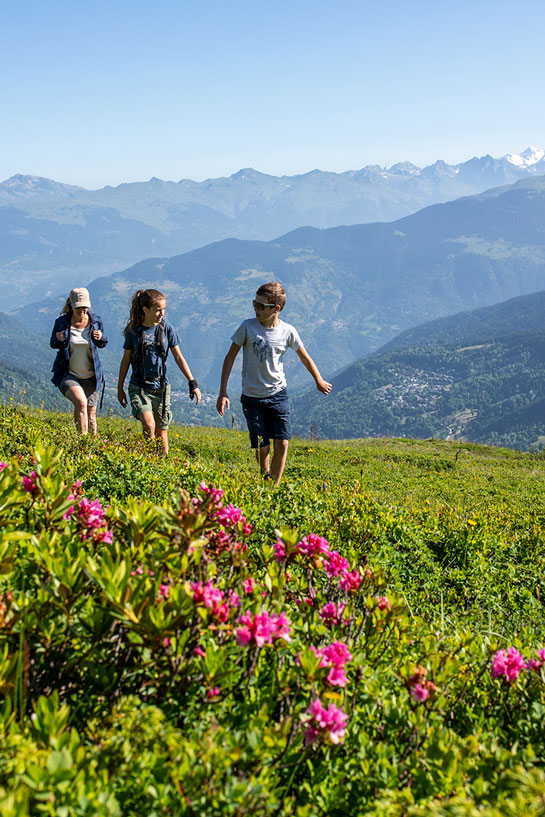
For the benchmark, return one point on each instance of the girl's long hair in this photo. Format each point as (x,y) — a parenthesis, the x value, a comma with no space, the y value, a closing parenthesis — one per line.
(67,308)
(142,298)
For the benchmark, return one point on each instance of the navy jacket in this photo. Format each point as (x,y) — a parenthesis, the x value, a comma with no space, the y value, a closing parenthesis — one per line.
(62,361)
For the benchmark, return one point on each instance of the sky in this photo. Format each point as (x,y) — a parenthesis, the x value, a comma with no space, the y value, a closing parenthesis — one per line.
(105,92)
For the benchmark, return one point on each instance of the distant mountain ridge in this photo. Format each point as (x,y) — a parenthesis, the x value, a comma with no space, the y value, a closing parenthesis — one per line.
(350,289)
(476,376)
(52,233)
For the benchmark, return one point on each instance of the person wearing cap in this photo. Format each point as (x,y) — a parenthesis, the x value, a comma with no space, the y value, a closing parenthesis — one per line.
(77,335)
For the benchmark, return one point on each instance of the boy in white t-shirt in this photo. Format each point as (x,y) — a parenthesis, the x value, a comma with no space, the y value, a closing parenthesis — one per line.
(264,399)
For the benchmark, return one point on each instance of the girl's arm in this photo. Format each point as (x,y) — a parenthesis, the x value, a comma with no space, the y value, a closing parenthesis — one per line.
(123,369)
(222,402)
(186,371)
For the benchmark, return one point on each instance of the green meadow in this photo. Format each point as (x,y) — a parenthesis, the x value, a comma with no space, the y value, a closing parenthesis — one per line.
(166,655)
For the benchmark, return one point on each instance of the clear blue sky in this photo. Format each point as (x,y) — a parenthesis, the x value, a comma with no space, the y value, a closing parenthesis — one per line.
(102,92)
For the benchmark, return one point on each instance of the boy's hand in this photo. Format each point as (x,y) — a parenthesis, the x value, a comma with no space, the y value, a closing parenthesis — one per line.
(222,403)
(323,386)
(97,334)
(60,335)
(122,397)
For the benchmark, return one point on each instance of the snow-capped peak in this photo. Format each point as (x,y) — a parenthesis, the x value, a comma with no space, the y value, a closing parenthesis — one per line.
(527,158)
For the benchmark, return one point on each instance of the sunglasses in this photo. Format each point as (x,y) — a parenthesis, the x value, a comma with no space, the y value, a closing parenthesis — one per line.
(259,306)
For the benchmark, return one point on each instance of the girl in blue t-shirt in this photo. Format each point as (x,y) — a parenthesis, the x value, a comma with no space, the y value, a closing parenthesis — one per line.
(148,338)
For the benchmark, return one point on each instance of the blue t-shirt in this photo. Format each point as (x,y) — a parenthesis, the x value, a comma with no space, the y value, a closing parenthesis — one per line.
(148,368)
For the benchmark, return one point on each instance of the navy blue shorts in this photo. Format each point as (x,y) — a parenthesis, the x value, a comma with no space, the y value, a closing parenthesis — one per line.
(267,418)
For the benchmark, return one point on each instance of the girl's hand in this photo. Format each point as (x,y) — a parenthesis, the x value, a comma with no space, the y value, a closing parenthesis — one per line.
(97,334)
(197,395)
(122,397)
(60,335)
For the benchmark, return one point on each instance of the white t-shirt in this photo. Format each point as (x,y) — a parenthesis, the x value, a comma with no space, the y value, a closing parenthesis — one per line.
(262,367)
(81,357)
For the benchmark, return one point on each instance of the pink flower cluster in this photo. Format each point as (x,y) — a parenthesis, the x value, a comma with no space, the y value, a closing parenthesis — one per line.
(335,656)
(206,595)
(419,686)
(314,550)
(508,664)
(332,614)
(327,724)
(383,603)
(230,518)
(537,663)
(3,465)
(262,628)
(30,485)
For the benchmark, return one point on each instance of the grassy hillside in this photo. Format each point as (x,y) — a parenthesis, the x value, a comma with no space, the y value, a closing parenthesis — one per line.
(133,678)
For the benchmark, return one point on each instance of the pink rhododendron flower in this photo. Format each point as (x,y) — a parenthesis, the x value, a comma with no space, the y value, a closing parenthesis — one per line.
(138,571)
(29,484)
(215,494)
(335,656)
(229,515)
(3,465)
(329,723)
(350,581)
(335,564)
(279,550)
(164,591)
(166,642)
(383,603)
(330,614)
(69,512)
(419,693)
(199,651)
(312,545)
(419,686)
(537,663)
(211,693)
(248,585)
(262,628)
(508,663)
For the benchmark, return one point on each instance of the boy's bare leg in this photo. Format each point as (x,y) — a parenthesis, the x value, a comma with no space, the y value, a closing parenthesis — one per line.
(280,452)
(262,457)
(162,435)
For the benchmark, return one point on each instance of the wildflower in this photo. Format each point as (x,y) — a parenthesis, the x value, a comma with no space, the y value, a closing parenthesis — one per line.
(350,581)
(537,663)
(508,663)
(383,603)
(29,484)
(279,550)
(334,656)
(335,564)
(3,465)
(419,686)
(262,628)
(330,614)
(164,592)
(249,585)
(329,723)
(229,515)
(419,693)
(211,693)
(199,651)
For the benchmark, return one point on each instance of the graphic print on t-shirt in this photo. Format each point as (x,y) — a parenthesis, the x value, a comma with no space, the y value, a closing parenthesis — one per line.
(262,350)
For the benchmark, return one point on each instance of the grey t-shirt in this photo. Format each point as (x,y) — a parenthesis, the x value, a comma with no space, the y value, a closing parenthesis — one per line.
(262,367)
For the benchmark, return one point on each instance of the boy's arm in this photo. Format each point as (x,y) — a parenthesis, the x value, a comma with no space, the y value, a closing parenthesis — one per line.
(186,371)
(123,369)
(309,364)
(222,402)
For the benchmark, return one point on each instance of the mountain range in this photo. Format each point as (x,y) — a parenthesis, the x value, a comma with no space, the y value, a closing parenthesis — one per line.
(53,234)
(477,376)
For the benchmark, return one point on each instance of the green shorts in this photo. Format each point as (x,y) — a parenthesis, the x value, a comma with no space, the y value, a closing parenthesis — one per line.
(151,400)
